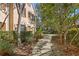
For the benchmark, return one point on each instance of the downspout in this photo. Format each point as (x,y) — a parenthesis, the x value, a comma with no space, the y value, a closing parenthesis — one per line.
(11,16)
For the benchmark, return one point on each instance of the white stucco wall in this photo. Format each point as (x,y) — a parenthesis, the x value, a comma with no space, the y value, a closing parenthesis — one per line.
(25,20)
(7,20)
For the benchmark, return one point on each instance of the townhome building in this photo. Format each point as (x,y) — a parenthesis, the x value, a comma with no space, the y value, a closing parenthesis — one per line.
(9,17)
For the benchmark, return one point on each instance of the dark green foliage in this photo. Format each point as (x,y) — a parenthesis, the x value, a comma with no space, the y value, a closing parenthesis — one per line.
(9,36)
(8,39)
(70,35)
(12,36)
(26,36)
(6,48)
(15,35)
(39,33)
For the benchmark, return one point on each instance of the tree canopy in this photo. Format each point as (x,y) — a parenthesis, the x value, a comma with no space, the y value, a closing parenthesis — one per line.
(59,17)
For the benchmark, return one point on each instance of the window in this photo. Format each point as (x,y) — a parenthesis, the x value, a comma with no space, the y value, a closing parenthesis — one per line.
(23,28)
(24,12)
(31,17)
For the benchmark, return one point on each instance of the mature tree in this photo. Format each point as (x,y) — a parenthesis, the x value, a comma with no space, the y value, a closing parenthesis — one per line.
(20,7)
(58,17)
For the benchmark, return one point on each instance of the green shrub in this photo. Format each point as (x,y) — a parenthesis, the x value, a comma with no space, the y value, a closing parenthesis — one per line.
(38,34)
(6,48)
(70,35)
(10,36)
(26,36)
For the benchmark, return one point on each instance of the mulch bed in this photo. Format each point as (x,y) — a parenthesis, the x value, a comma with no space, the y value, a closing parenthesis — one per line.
(68,50)
(24,50)
(71,50)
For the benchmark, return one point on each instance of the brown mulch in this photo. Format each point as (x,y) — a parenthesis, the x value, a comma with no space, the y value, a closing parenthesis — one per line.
(71,50)
(24,50)
(68,50)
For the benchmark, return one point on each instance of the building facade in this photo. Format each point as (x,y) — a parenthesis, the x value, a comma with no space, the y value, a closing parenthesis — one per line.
(10,24)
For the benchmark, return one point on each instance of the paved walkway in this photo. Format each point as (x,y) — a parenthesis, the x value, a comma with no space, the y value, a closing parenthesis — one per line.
(43,47)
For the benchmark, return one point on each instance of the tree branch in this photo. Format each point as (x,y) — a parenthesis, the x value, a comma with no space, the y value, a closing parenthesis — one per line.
(4,21)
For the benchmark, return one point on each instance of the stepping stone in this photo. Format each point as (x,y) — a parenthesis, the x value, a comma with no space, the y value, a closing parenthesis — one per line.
(43,46)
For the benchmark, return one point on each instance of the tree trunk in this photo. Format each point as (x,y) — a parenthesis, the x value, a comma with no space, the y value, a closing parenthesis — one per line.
(20,9)
(61,39)
(65,34)
(18,30)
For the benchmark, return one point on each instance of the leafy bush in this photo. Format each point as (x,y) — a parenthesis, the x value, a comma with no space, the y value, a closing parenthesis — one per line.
(26,36)
(38,34)
(70,35)
(5,48)
(10,36)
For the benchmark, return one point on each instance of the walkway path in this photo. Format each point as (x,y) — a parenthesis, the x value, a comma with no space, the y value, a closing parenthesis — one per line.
(43,46)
